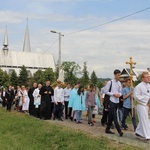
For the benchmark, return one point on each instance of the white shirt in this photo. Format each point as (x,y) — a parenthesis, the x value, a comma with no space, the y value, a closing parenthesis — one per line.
(67,94)
(58,94)
(102,92)
(4,93)
(115,89)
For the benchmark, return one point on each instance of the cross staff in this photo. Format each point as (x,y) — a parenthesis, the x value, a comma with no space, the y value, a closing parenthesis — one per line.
(131,63)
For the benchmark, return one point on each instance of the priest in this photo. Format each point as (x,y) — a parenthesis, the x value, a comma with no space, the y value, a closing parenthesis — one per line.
(142,96)
(46,92)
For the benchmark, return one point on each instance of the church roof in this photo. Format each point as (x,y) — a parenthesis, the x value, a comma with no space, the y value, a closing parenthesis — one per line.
(28,59)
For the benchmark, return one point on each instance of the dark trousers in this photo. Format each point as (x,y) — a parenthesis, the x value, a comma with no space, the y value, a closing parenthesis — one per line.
(66,109)
(125,114)
(104,119)
(112,116)
(70,112)
(58,110)
(48,110)
(4,102)
(37,111)
(9,104)
(31,107)
(52,109)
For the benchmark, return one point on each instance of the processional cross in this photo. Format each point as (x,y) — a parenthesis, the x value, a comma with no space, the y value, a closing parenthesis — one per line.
(131,63)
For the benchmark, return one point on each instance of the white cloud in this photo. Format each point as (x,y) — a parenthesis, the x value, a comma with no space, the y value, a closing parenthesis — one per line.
(105,48)
(10,17)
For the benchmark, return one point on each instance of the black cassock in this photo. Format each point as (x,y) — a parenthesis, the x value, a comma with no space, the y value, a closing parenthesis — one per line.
(45,108)
(31,103)
(9,95)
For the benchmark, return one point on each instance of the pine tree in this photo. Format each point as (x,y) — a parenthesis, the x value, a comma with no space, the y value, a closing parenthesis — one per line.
(38,77)
(6,79)
(94,78)
(14,79)
(23,76)
(85,76)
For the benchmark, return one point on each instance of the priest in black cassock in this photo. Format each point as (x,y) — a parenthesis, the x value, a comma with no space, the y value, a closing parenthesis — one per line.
(9,96)
(31,103)
(46,92)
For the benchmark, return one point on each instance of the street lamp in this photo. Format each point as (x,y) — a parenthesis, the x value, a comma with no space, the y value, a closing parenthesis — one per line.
(59,59)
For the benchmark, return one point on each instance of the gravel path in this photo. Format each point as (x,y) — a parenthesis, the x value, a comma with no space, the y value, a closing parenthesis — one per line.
(98,130)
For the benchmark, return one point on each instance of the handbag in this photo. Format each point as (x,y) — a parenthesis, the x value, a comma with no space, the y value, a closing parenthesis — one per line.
(95,110)
(107,98)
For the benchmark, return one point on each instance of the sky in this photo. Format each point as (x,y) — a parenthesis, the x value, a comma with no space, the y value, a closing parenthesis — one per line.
(104,48)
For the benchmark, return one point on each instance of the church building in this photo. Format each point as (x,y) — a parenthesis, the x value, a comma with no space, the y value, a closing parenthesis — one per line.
(14,60)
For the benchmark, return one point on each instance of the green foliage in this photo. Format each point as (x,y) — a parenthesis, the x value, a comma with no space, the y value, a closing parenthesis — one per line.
(14,79)
(100,84)
(94,78)
(4,78)
(137,81)
(23,76)
(85,76)
(48,74)
(71,71)
(38,77)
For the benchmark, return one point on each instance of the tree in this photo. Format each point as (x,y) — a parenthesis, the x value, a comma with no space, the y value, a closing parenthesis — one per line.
(85,76)
(100,84)
(14,79)
(4,78)
(94,78)
(1,77)
(23,76)
(71,70)
(135,83)
(48,74)
(38,77)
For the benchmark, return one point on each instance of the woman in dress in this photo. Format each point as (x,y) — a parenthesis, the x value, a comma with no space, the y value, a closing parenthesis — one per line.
(24,99)
(79,103)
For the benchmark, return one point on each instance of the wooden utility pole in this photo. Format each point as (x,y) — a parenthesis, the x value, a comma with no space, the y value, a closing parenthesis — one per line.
(131,63)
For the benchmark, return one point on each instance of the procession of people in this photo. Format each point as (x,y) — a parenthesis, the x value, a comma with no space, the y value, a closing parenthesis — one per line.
(51,102)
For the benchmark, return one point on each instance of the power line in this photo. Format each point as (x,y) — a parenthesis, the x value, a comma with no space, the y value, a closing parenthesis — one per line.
(50,46)
(137,12)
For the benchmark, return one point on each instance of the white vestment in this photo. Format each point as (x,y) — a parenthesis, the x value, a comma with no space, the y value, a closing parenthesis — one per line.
(142,96)
(25,104)
(37,98)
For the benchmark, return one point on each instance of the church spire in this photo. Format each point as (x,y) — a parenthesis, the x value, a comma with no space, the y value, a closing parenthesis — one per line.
(26,46)
(5,44)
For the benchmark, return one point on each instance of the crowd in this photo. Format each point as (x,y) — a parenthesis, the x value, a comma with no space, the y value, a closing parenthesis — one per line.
(49,102)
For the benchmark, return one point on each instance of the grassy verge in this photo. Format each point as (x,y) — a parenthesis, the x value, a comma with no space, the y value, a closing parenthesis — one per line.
(19,131)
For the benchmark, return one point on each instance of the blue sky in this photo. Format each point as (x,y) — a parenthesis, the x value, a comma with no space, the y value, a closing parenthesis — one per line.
(104,48)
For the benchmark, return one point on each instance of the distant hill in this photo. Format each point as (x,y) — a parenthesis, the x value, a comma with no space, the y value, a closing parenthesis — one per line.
(103,79)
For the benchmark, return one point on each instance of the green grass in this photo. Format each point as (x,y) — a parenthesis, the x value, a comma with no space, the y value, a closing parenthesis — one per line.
(22,132)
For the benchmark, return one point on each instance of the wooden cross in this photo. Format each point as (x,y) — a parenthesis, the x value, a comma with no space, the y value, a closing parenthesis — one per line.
(131,63)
